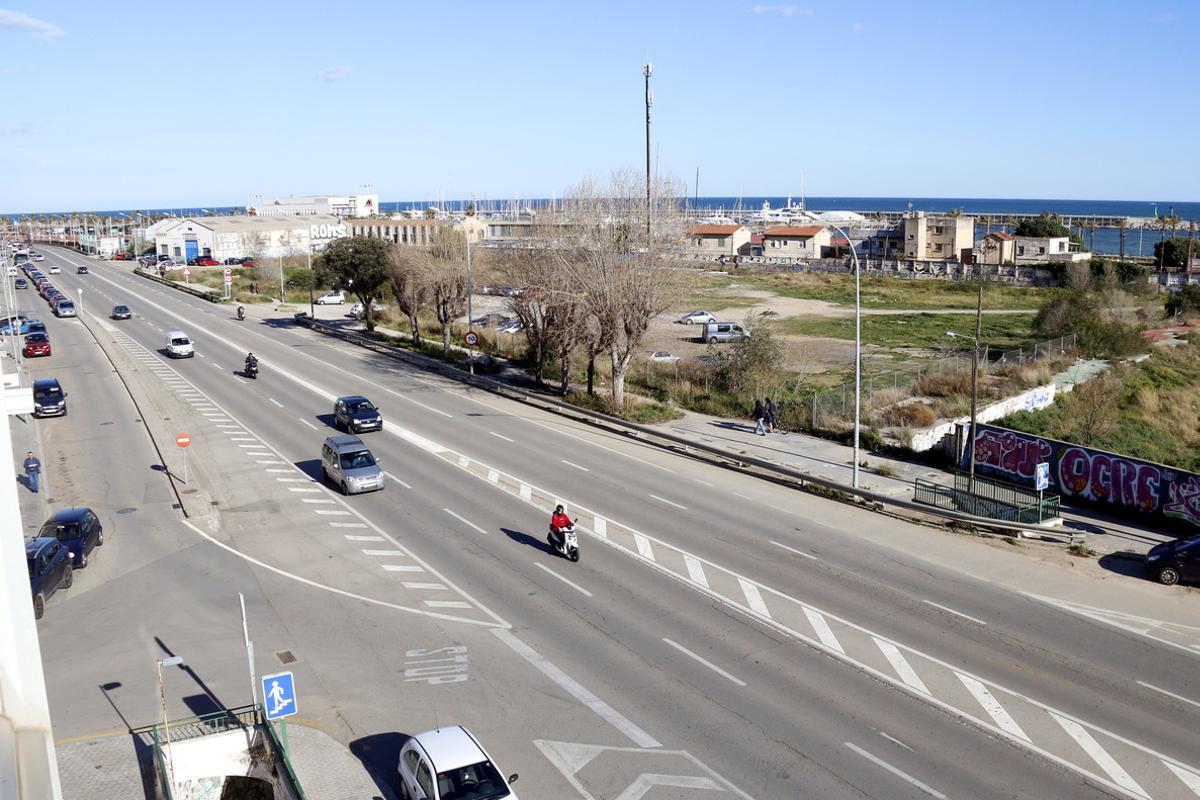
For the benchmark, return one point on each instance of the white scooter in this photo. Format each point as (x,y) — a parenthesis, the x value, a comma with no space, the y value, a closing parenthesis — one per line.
(568,544)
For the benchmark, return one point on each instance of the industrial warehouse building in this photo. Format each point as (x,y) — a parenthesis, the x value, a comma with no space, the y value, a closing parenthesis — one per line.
(245,236)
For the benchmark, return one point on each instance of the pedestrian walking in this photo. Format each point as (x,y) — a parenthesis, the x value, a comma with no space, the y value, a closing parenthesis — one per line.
(33,471)
(772,414)
(760,414)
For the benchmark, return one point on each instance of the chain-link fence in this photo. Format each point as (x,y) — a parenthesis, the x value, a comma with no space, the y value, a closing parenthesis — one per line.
(833,409)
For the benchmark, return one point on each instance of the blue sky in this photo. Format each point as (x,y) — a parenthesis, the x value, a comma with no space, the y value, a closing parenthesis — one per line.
(129,104)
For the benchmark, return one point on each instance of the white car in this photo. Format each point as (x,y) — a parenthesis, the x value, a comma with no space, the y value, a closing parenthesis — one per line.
(663,357)
(179,345)
(331,298)
(512,326)
(54,269)
(37,256)
(13,272)
(450,763)
(698,318)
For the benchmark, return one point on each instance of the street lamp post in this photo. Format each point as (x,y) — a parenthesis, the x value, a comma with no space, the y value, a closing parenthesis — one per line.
(172,661)
(311,312)
(857,341)
(470,352)
(648,70)
(974,395)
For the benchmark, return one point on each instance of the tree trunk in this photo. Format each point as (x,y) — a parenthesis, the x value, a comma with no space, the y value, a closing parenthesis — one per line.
(619,367)
(446,339)
(416,330)
(367,315)
(591,373)
(564,373)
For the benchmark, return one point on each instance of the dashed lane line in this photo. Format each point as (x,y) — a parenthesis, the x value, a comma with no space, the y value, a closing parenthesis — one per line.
(570,583)
(669,502)
(499,436)
(464,521)
(794,550)
(705,662)
(949,610)
(899,773)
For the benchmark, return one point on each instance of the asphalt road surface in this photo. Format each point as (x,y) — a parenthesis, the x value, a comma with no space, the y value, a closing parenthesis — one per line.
(720,636)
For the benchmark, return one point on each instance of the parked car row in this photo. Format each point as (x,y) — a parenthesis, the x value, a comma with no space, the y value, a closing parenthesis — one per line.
(59,303)
(64,544)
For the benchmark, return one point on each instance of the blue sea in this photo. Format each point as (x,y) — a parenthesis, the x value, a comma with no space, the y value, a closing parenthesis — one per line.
(1137,242)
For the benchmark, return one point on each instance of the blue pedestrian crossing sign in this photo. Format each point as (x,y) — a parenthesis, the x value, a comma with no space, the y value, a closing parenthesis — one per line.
(279,695)
(1042,477)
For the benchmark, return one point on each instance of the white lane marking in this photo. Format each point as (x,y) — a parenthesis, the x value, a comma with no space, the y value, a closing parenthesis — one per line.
(493,475)
(754,598)
(576,690)
(696,571)
(253,447)
(463,461)
(294,480)
(353,538)
(526,492)
(705,662)
(1139,625)
(329,512)
(643,546)
(1106,762)
(820,626)
(498,436)
(901,665)
(894,740)
(1190,779)
(992,706)
(572,464)
(288,471)
(325,501)
(464,521)
(306,422)
(744,497)
(242,439)
(704,483)
(355,525)
(794,550)
(388,553)
(303,489)
(949,610)
(276,402)
(402,568)
(596,444)
(1168,694)
(419,585)
(446,604)
(879,762)
(600,526)
(668,502)
(397,480)
(572,584)
(270,461)
(331,589)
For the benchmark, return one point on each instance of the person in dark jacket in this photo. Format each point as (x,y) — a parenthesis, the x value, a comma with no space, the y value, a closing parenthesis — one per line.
(769,409)
(760,414)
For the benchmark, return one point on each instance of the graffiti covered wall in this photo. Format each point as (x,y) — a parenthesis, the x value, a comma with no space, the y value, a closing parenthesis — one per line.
(1109,481)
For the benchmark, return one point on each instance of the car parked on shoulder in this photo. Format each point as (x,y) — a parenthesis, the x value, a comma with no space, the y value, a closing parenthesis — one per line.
(64,308)
(121,312)
(77,529)
(49,399)
(166,263)
(355,414)
(697,318)
(331,298)
(12,271)
(249,262)
(20,283)
(449,763)
(1175,562)
(36,344)
(16,324)
(37,326)
(49,570)
(81,269)
(207,261)
(663,357)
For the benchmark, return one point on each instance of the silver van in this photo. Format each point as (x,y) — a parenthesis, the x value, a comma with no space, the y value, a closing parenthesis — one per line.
(723,332)
(346,462)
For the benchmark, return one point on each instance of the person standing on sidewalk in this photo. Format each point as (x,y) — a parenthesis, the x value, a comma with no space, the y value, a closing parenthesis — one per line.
(760,414)
(33,471)
(769,409)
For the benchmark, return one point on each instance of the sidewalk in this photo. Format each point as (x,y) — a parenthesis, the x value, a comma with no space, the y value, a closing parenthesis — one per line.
(121,767)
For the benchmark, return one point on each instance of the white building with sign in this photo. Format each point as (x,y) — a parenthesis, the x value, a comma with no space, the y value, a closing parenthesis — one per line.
(353,205)
(245,236)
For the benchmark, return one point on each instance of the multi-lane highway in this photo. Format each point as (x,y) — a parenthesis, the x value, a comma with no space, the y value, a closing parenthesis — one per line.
(720,636)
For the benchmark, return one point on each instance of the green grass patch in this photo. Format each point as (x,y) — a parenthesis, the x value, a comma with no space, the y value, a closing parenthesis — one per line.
(879,292)
(639,412)
(1006,331)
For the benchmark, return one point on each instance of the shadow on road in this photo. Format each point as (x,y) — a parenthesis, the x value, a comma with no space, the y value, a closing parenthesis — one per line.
(1132,565)
(379,754)
(311,468)
(326,420)
(524,538)
(143,750)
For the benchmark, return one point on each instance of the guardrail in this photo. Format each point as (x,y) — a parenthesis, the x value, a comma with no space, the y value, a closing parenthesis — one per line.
(669,441)
(209,296)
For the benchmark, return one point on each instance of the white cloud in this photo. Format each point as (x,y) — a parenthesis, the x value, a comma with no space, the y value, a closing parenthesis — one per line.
(857,27)
(335,73)
(36,28)
(782,10)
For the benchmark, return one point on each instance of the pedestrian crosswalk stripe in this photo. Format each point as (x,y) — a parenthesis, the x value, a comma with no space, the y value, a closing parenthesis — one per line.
(643,546)
(696,571)
(1099,755)
(820,626)
(446,604)
(754,598)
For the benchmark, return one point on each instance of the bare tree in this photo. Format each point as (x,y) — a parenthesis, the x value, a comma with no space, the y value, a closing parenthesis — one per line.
(409,274)
(624,277)
(448,279)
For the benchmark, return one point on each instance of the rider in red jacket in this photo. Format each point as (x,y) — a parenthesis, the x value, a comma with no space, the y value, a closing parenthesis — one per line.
(558,521)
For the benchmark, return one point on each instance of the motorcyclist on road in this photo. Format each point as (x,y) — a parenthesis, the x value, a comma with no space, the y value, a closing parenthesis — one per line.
(558,521)
(251,362)
(241,312)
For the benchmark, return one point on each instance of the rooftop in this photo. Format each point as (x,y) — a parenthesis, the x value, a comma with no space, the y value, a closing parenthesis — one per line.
(794,230)
(714,230)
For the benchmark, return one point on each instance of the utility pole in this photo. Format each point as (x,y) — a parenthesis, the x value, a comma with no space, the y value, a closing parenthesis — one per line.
(648,70)
(1187,269)
(975,382)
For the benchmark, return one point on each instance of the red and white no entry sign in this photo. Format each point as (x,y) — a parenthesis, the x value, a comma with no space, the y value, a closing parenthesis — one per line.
(183,440)
(228,272)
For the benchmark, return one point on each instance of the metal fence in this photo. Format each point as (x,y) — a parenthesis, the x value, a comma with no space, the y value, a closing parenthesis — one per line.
(833,409)
(984,497)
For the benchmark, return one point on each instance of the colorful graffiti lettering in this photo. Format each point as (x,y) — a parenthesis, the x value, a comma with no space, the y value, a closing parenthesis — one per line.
(1108,478)
(1183,501)
(1010,453)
